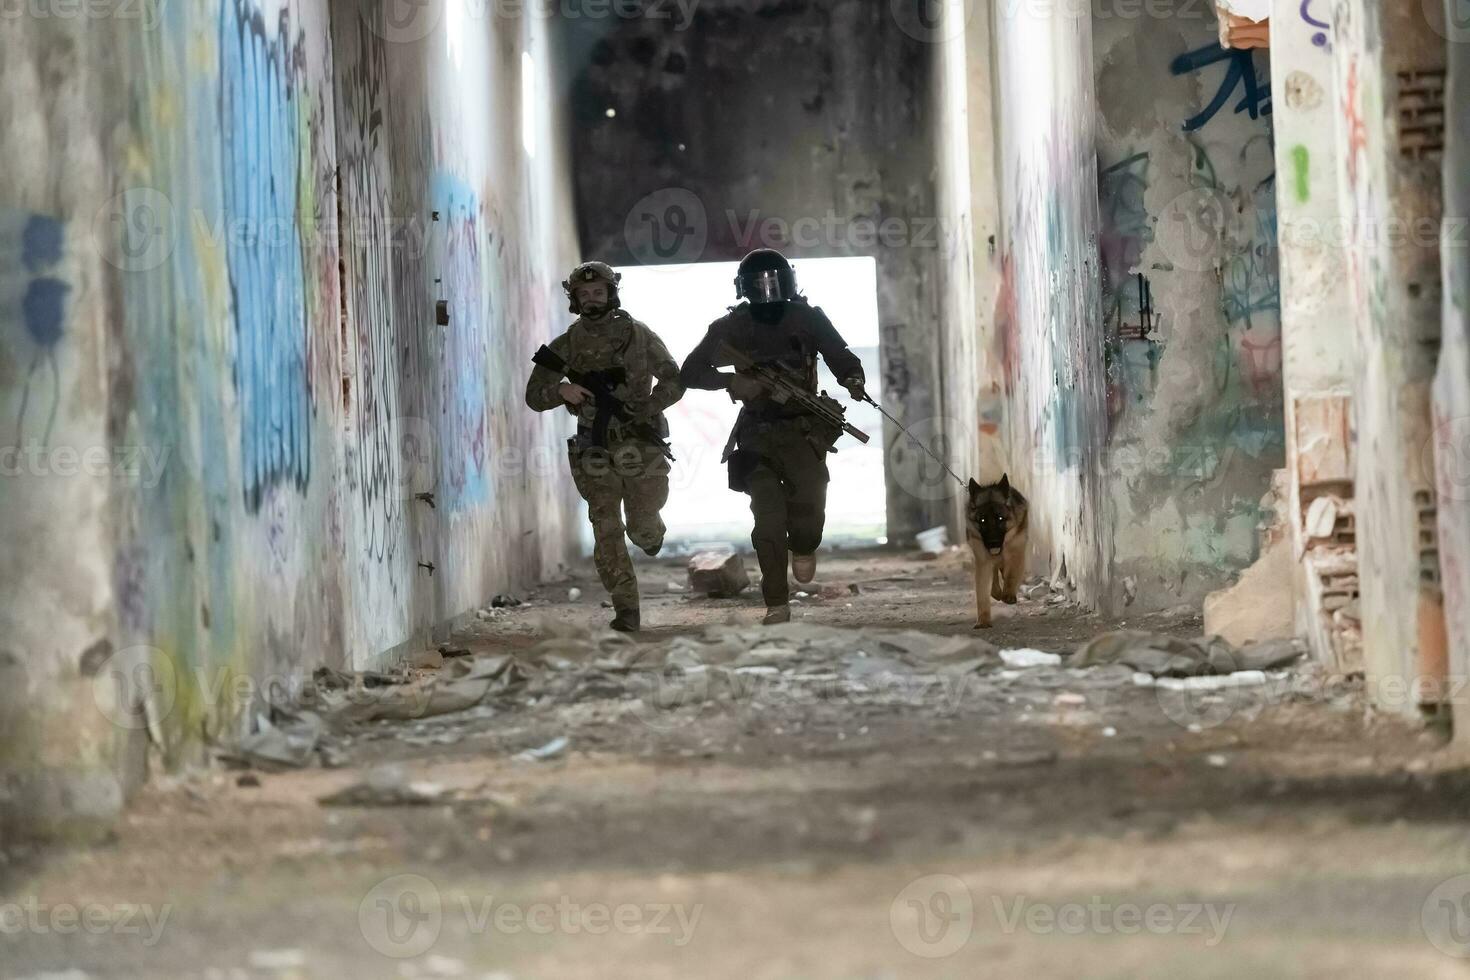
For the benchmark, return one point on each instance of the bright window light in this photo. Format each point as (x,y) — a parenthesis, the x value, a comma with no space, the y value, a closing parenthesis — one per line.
(528,103)
(679,302)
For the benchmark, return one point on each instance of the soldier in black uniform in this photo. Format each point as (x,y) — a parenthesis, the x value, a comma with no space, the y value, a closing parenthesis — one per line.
(777,453)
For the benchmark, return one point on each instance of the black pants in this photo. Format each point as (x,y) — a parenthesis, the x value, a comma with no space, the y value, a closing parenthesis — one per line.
(787,484)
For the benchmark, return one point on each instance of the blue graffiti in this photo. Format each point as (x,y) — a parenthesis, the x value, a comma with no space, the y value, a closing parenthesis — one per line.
(42,307)
(1241,72)
(260,118)
(42,243)
(464,479)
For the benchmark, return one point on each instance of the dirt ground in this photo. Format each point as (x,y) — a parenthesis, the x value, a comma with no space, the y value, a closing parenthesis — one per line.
(1030,822)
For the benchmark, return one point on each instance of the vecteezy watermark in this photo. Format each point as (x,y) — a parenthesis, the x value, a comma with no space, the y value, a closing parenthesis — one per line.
(935,916)
(1127,10)
(669,226)
(403,916)
(1102,917)
(143,465)
(1445,459)
(92,918)
(1446,917)
(138,228)
(1452,20)
(144,11)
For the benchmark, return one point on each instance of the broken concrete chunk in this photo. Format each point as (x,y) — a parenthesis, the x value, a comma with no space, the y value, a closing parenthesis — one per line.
(386,786)
(1030,658)
(550,750)
(1159,655)
(718,574)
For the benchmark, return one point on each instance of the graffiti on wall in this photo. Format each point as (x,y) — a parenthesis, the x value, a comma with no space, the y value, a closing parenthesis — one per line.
(370,377)
(1240,74)
(1322,35)
(466,361)
(40,295)
(263,118)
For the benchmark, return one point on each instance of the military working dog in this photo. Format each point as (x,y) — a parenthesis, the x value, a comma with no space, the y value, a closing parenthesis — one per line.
(997,518)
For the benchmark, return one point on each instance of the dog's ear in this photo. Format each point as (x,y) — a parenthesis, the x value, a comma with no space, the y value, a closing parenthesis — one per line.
(975,488)
(1005,483)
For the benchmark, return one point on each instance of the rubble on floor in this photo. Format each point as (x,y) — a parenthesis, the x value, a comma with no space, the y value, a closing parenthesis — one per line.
(655,679)
(1160,655)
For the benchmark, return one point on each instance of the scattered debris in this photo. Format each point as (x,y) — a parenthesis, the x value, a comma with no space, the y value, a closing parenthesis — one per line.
(1159,655)
(504,602)
(386,786)
(550,750)
(288,743)
(574,594)
(248,780)
(1030,658)
(933,542)
(718,574)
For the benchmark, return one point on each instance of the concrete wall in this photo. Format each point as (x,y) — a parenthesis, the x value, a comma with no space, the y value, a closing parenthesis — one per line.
(177,292)
(1319,349)
(1045,329)
(1452,385)
(1391,192)
(1188,203)
(800,126)
(968,194)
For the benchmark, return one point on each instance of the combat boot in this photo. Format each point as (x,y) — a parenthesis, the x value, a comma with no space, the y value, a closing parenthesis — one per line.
(804,568)
(626,621)
(775,615)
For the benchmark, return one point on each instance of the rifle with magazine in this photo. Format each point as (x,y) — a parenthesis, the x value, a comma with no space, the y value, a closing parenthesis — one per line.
(784,391)
(608,405)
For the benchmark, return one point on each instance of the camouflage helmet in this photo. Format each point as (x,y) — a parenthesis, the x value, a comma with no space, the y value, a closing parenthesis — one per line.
(593,272)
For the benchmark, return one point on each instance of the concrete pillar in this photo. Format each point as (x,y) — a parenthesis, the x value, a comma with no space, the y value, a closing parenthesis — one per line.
(56,590)
(1390,62)
(1452,385)
(1318,343)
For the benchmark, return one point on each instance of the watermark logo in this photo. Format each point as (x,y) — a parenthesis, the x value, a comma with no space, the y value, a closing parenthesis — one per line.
(406,21)
(1195,228)
(134,685)
(1455,17)
(1446,917)
(401,916)
(933,916)
(92,918)
(921,474)
(669,226)
(1446,459)
(134,230)
(931,21)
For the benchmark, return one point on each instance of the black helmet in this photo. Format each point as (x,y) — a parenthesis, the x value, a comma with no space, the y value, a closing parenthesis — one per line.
(765,277)
(593,272)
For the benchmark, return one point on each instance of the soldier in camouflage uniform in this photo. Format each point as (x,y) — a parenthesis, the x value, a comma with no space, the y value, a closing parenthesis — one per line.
(629,474)
(777,453)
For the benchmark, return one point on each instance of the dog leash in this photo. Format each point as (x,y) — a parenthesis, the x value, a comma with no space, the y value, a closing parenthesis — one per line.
(901,428)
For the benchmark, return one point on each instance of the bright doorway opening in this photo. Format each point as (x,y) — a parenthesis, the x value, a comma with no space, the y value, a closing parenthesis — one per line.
(679,302)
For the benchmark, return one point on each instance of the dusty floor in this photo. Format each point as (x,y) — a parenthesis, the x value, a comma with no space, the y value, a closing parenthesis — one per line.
(1036,822)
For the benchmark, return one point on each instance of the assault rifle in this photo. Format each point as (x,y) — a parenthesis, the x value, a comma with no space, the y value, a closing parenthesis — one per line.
(784,391)
(608,405)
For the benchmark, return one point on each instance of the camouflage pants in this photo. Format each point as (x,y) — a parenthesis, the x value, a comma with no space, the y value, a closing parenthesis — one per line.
(630,478)
(787,484)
